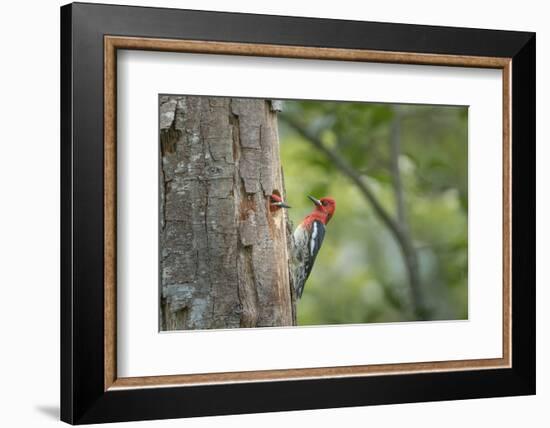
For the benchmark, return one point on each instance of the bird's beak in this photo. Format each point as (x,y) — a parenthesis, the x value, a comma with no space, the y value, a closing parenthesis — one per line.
(281,205)
(314,200)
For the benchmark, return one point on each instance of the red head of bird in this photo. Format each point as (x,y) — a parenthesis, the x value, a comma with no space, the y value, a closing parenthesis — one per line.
(324,209)
(276,203)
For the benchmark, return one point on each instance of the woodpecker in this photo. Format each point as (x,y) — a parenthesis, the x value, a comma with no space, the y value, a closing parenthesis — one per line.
(308,238)
(276,203)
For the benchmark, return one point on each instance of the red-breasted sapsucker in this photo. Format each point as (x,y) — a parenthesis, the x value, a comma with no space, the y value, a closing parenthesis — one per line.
(308,238)
(276,203)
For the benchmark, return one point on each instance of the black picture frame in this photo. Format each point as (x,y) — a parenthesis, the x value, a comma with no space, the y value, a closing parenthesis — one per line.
(83,398)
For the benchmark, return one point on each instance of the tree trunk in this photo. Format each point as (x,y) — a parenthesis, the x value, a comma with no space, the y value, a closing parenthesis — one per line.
(224,256)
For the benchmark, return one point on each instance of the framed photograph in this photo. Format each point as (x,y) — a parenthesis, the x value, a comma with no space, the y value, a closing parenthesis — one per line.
(266,213)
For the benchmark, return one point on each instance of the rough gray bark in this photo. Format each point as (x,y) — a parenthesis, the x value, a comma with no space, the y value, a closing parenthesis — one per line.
(223,254)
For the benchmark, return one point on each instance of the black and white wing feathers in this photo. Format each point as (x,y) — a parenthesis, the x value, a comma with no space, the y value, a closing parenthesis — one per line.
(306,248)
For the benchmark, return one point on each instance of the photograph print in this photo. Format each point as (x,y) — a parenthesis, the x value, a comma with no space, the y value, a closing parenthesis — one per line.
(285,213)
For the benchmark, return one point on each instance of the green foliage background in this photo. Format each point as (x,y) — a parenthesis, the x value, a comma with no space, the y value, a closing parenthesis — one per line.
(359,275)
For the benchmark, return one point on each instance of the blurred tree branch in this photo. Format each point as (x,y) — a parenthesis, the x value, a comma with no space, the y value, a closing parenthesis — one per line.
(409,252)
(400,234)
(395,146)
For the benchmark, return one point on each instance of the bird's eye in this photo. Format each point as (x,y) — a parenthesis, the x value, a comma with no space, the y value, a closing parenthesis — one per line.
(324,203)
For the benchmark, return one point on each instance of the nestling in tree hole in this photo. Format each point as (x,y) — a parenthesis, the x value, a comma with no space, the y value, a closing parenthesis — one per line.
(276,203)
